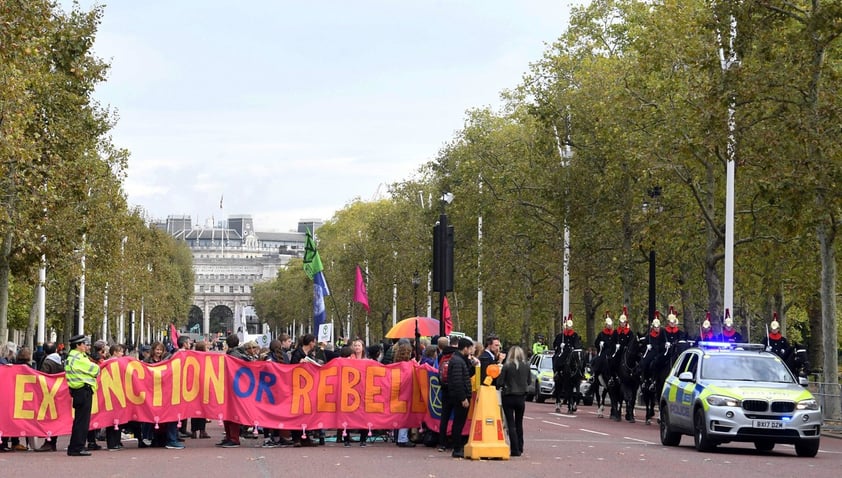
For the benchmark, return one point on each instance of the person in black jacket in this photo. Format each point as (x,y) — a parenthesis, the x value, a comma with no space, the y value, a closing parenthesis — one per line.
(514,379)
(458,395)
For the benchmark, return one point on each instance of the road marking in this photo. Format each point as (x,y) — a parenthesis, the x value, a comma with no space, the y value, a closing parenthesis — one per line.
(556,424)
(593,431)
(641,441)
(562,415)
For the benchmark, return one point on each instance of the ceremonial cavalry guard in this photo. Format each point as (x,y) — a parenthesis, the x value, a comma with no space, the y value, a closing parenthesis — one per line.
(775,341)
(706,333)
(605,339)
(729,333)
(568,339)
(623,334)
(655,342)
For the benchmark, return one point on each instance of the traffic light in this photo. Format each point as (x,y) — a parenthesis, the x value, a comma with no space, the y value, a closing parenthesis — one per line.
(442,256)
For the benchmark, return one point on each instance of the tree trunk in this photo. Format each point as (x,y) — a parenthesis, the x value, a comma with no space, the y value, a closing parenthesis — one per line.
(5,274)
(832,405)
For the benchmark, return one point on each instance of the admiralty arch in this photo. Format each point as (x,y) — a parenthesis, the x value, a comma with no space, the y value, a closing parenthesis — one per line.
(228,259)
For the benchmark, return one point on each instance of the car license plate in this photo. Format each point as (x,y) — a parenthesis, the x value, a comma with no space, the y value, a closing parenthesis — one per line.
(768,424)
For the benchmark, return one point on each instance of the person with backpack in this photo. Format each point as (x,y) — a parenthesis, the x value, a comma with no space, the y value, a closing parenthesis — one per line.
(456,375)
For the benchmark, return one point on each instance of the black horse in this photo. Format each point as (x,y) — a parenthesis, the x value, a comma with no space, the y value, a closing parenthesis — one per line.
(628,378)
(603,378)
(798,361)
(569,371)
(650,391)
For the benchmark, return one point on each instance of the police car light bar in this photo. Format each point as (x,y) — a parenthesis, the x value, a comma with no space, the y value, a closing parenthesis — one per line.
(729,346)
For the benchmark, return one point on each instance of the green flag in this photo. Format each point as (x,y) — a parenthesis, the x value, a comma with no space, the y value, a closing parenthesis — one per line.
(312,261)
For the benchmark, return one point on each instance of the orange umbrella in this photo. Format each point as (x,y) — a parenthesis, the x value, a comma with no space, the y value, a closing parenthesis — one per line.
(427,327)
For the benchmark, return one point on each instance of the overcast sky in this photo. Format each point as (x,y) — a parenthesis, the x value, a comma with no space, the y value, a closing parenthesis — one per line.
(292,109)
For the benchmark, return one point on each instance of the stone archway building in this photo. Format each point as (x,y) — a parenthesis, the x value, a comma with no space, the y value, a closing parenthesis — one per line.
(228,259)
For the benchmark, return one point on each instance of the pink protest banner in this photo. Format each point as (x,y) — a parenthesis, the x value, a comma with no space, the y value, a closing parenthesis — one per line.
(341,394)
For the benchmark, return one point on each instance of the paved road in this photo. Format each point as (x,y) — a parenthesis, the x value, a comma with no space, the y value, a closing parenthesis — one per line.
(556,445)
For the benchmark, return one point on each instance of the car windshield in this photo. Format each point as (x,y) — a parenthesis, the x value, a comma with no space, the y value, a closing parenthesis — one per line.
(745,368)
(546,363)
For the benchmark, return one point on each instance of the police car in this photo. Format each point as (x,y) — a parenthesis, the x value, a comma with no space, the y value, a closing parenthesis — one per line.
(542,376)
(720,393)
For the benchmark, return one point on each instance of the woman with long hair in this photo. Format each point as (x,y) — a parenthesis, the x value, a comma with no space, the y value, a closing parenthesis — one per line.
(514,379)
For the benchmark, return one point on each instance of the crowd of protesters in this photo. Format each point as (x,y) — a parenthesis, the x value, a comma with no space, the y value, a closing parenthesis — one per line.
(52,358)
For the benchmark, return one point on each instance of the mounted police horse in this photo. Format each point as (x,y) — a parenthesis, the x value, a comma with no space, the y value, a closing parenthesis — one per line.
(628,378)
(569,371)
(650,391)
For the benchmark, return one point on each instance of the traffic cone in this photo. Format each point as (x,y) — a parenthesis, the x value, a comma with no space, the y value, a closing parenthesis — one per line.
(488,438)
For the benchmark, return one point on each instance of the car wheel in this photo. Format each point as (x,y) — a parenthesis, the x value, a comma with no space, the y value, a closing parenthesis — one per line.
(764,445)
(587,401)
(700,432)
(530,397)
(807,448)
(539,398)
(668,437)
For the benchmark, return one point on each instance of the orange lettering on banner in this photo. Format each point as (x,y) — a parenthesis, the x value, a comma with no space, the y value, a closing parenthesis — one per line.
(190,380)
(48,403)
(396,405)
(349,397)
(326,390)
(135,368)
(372,390)
(302,385)
(22,396)
(420,391)
(215,376)
(110,384)
(175,399)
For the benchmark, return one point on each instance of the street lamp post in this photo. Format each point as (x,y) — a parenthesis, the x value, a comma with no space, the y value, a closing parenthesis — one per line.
(416,281)
(443,259)
(654,195)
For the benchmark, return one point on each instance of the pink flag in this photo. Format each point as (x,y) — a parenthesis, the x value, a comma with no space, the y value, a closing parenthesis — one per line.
(173,336)
(360,294)
(448,324)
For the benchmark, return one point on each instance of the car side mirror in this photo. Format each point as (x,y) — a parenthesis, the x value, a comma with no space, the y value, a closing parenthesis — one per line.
(803,381)
(686,377)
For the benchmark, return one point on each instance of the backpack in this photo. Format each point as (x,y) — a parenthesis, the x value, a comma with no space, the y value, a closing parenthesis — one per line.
(444,367)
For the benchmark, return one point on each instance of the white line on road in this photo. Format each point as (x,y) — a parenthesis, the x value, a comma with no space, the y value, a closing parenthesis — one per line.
(562,415)
(641,441)
(556,424)
(594,432)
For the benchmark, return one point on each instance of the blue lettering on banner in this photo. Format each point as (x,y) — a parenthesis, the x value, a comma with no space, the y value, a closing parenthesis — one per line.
(265,386)
(243,372)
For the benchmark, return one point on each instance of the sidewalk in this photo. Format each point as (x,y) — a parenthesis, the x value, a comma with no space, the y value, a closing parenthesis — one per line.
(832,428)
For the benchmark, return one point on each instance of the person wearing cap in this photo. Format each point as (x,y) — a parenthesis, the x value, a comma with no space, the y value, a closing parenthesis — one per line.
(653,357)
(775,342)
(81,374)
(729,333)
(539,346)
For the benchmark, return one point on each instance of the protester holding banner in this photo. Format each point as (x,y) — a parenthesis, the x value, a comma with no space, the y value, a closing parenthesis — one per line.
(460,371)
(403,354)
(81,375)
(198,426)
(357,353)
(232,429)
(158,354)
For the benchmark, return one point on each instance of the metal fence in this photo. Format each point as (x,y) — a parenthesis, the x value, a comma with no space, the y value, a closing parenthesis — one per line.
(824,391)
